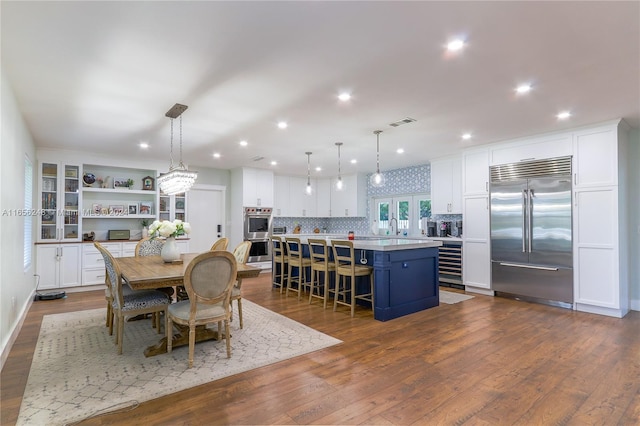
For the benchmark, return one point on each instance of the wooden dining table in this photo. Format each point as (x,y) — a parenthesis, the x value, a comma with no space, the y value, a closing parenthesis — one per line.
(151,272)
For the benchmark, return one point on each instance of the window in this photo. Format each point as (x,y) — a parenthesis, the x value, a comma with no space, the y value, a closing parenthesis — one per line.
(400,215)
(28,218)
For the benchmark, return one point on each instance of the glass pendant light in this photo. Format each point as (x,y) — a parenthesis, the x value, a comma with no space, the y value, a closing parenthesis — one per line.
(308,189)
(377,179)
(339,182)
(178,179)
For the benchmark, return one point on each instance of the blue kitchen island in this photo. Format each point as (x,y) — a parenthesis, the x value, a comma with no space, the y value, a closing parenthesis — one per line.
(405,272)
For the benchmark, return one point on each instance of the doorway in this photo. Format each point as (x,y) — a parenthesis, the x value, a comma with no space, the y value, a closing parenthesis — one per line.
(206,216)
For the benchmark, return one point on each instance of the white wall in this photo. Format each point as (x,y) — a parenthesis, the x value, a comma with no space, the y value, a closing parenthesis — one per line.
(16,284)
(634,218)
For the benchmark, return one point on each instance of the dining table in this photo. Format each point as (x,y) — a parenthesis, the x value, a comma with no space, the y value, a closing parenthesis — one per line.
(151,272)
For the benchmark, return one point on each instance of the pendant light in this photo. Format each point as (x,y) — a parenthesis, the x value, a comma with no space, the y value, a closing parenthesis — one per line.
(178,179)
(339,182)
(308,189)
(377,179)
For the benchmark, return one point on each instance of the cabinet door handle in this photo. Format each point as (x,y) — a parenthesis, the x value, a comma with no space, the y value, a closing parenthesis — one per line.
(346,212)
(259,202)
(575,178)
(486,186)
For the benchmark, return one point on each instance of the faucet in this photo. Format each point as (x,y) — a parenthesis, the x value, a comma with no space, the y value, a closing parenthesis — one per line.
(391,225)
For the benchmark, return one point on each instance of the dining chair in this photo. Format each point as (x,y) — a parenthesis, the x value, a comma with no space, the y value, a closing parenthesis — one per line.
(220,244)
(280,263)
(346,267)
(130,303)
(299,262)
(149,247)
(241,253)
(208,280)
(320,263)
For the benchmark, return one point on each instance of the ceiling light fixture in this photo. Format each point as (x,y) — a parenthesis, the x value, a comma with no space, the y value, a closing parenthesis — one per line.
(523,88)
(244,143)
(308,189)
(466,136)
(143,145)
(344,97)
(455,45)
(282,124)
(563,115)
(400,151)
(274,163)
(178,179)
(339,182)
(216,155)
(377,179)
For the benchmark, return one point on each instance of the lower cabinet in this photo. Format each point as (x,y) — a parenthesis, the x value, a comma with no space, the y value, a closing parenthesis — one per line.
(476,256)
(93,271)
(58,265)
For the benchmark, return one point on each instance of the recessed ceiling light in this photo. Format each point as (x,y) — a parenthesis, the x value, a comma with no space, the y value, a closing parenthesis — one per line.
(523,88)
(143,145)
(344,97)
(400,151)
(274,163)
(466,136)
(318,169)
(216,155)
(354,161)
(282,124)
(455,45)
(244,143)
(563,115)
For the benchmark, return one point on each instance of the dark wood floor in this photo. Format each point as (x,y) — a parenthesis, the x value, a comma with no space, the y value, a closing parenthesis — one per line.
(484,361)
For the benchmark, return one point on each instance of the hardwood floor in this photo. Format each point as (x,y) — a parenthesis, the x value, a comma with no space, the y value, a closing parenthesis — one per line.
(483,361)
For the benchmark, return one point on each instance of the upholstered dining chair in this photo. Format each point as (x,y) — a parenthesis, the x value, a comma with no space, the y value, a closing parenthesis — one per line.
(299,262)
(280,263)
(241,253)
(346,291)
(149,247)
(208,280)
(320,263)
(220,244)
(130,303)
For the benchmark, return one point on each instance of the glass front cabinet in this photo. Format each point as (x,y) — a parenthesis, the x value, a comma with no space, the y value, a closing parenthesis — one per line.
(173,207)
(59,199)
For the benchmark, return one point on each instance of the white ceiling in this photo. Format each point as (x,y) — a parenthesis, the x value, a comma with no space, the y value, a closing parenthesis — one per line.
(100,76)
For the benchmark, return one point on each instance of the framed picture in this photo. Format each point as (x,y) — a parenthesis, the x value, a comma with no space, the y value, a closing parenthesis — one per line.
(71,173)
(133,209)
(104,211)
(147,183)
(116,210)
(96,208)
(145,207)
(120,183)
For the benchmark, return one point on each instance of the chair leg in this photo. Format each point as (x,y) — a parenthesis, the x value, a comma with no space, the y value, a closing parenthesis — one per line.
(169,327)
(192,343)
(353,296)
(314,276)
(240,312)
(120,332)
(227,336)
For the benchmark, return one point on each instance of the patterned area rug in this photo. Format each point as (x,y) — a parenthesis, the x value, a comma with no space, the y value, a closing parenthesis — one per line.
(450,297)
(76,372)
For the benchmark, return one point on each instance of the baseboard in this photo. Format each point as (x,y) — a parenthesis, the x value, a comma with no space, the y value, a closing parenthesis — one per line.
(16,330)
(635,304)
(484,291)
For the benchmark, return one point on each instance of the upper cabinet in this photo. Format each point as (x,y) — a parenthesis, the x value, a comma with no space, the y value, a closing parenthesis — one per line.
(281,196)
(596,157)
(60,200)
(352,200)
(475,172)
(446,191)
(172,207)
(257,188)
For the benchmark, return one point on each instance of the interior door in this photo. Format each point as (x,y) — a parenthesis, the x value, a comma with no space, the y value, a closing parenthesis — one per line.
(508,222)
(206,213)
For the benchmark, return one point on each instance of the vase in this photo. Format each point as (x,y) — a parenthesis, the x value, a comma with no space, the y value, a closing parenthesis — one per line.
(170,252)
(145,232)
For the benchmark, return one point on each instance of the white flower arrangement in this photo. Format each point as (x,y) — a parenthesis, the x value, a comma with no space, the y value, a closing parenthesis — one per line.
(169,229)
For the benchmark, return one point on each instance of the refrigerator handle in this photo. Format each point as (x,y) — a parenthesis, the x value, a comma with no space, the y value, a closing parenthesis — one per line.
(525,205)
(529,221)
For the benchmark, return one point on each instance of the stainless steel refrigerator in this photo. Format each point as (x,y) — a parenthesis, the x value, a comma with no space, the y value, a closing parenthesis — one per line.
(531,231)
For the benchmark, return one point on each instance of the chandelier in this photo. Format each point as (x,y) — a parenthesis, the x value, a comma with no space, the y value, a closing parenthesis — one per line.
(178,179)
(377,179)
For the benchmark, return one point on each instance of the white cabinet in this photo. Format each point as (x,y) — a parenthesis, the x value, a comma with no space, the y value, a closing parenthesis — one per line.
(600,220)
(257,188)
(300,203)
(549,146)
(446,191)
(475,172)
(323,197)
(58,265)
(59,201)
(476,263)
(172,207)
(281,196)
(352,200)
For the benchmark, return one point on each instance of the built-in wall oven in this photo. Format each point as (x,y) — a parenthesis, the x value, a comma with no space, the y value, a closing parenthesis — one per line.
(257,229)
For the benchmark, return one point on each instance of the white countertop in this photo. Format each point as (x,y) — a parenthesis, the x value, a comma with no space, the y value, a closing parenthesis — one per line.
(372,242)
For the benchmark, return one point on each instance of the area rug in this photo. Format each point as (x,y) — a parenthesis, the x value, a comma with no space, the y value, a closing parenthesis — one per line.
(450,297)
(76,372)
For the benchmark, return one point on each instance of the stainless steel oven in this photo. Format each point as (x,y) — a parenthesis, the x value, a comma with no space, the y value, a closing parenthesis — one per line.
(257,229)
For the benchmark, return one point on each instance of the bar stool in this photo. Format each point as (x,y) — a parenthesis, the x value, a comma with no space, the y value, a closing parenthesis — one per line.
(296,260)
(346,267)
(320,263)
(280,260)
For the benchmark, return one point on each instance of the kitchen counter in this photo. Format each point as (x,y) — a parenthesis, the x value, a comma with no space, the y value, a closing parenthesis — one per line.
(405,271)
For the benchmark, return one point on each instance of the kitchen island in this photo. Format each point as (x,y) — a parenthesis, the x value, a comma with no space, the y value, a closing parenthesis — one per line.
(405,272)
